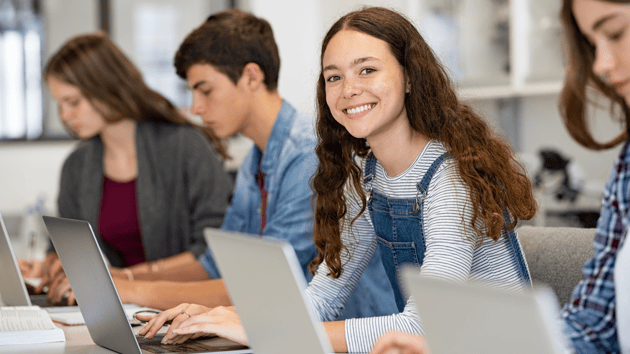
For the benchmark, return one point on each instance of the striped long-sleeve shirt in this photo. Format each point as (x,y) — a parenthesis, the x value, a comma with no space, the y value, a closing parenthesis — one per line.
(452,250)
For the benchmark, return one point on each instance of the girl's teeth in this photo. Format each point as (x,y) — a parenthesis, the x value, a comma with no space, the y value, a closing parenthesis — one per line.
(360,109)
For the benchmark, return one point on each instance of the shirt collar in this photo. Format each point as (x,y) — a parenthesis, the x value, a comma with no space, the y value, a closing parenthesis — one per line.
(280,131)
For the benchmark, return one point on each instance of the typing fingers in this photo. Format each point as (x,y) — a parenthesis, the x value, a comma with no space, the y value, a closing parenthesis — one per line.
(54,284)
(55,268)
(58,289)
(154,325)
(26,267)
(400,343)
(181,339)
(186,313)
(221,321)
(44,282)
(71,299)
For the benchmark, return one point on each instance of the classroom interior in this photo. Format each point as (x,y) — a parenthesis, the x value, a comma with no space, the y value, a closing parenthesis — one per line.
(505,57)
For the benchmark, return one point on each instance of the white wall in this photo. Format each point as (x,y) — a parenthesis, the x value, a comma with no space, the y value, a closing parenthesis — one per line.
(32,169)
(29,169)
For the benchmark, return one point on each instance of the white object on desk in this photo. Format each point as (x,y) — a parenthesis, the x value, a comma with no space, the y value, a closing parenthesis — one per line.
(71,315)
(27,325)
(622,296)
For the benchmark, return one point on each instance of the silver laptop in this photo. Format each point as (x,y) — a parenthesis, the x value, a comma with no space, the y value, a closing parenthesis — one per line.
(98,299)
(267,286)
(12,289)
(471,318)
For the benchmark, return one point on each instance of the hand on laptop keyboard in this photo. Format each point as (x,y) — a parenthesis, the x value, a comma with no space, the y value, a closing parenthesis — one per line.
(193,321)
(399,342)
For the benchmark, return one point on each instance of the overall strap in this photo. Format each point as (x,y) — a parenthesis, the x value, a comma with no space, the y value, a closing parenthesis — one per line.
(370,168)
(518,252)
(423,186)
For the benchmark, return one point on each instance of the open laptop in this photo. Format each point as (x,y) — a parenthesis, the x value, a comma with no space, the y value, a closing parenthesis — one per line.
(98,299)
(472,318)
(267,286)
(12,289)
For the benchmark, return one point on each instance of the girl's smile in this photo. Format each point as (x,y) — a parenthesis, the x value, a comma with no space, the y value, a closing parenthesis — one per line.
(365,86)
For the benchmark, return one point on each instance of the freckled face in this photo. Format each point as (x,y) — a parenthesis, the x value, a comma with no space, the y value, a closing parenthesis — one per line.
(222,105)
(606,25)
(365,85)
(76,111)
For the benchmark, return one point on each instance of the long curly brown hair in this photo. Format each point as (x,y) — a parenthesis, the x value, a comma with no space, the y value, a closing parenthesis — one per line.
(574,97)
(496,181)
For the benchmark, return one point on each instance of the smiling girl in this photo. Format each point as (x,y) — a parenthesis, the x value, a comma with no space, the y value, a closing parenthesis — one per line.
(403,166)
(406,167)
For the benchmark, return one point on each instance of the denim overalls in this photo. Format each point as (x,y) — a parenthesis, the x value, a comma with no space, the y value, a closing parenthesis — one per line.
(398,224)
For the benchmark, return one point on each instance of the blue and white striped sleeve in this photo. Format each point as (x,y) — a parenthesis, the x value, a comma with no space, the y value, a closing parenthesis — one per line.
(327,295)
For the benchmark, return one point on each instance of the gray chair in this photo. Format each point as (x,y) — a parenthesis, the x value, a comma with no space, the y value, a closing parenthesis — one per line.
(556,255)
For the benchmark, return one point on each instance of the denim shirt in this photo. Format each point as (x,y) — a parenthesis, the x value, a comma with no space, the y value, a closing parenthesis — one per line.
(288,164)
(590,316)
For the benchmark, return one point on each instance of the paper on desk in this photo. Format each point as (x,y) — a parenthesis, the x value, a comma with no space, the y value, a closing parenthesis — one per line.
(27,325)
(74,318)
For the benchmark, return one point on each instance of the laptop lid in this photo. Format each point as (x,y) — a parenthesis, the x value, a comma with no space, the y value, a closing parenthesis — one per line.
(96,293)
(12,289)
(267,286)
(472,318)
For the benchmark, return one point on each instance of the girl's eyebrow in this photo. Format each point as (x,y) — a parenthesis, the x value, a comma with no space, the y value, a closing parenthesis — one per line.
(355,62)
(603,20)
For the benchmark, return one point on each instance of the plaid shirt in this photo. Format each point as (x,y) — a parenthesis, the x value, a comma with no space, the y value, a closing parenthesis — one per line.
(590,315)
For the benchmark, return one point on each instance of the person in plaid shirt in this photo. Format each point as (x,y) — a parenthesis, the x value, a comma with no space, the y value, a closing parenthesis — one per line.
(598,35)
(590,315)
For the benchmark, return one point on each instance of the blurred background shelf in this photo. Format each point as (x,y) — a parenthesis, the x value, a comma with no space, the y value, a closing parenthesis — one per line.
(505,57)
(509,91)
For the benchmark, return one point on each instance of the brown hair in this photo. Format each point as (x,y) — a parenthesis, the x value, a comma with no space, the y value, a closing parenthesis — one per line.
(485,161)
(114,86)
(573,99)
(228,41)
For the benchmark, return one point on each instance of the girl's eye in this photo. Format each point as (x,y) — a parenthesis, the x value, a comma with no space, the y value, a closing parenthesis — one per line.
(74,103)
(616,35)
(333,78)
(205,93)
(367,71)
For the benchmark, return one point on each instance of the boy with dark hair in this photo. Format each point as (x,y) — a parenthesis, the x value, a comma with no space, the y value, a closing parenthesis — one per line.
(231,64)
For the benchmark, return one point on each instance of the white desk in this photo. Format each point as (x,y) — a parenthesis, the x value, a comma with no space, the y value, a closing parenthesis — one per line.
(78,340)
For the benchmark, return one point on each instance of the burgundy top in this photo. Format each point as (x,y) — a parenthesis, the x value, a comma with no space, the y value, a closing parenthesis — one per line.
(119,224)
(263,196)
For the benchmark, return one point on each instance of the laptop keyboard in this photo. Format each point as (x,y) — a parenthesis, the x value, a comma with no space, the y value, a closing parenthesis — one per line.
(42,301)
(154,345)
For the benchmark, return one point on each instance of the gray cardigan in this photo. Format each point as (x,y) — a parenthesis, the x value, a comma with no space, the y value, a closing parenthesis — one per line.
(182,188)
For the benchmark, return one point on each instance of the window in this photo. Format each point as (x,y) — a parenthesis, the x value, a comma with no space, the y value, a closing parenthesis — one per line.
(148,31)
(21,97)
